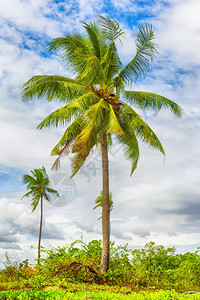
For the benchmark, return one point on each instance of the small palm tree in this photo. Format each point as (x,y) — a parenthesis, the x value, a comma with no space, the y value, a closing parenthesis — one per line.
(99,202)
(38,188)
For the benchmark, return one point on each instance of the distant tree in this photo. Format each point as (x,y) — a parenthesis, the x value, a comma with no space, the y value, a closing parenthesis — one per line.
(38,188)
(98,108)
(99,201)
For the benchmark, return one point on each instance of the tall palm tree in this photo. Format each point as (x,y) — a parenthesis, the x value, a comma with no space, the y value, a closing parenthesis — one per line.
(97,107)
(99,201)
(38,188)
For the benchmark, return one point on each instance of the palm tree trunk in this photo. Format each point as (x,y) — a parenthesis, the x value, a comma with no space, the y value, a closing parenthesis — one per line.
(105,207)
(40,231)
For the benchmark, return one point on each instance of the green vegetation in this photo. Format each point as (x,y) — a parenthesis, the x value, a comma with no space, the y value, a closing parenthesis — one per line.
(73,272)
(98,108)
(99,201)
(38,188)
(58,295)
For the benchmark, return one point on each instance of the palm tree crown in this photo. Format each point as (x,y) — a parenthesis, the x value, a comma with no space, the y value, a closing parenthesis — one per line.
(96,98)
(97,107)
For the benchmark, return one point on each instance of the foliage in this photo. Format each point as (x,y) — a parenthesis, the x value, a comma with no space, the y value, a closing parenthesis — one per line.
(150,268)
(99,202)
(99,199)
(60,295)
(162,268)
(38,188)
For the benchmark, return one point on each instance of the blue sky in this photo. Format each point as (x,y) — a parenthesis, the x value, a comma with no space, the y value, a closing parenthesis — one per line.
(161,201)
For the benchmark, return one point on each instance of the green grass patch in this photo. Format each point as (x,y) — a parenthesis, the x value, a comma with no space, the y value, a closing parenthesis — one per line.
(60,295)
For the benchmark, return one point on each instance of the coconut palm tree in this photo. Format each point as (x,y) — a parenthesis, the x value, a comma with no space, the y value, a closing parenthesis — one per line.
(99,201)
(38,188)
(97,106)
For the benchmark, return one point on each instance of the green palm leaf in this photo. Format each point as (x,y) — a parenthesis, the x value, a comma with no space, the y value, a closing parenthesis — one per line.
(141,129)
(111,63)
(70,134)
(129,142)
(93,72)
(96,38)
(92,120)
(52,87)
(145,51)
(145,100)
(111,28)
(79,159)
(66,113)
(74,49)
(113,123)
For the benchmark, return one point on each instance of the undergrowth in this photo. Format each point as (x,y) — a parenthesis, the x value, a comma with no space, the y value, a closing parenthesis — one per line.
(75,268)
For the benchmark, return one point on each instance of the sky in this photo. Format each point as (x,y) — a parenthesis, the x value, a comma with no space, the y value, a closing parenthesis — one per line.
(161,201)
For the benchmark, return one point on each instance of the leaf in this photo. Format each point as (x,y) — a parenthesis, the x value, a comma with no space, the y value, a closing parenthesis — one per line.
(113,123)
(111,29)
(111,63)
(141,129)
(74,49)
(95,38)
(93,118)
(52,87)
(65,113)
(70,134)
(129,142)
(146,100)
(145,51)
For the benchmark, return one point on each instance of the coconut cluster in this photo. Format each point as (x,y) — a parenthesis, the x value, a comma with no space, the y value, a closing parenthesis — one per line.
(113,99)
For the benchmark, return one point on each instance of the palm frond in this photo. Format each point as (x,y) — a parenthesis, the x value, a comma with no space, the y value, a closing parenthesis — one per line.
(129,142)
(35,203)
(89,134)
(113,123)
(118,83)
(65,113)
(27,194)
(79,159)
(96,38)
(93,72)
(56,164)
(52,87)
(111,28)
(69,135)
(52,191)
(111,63)
(99,200)
(29,180)
(145,51)
(146,100)
(77,53)
(93,118)
(141,129)
(65,145)
(74,49)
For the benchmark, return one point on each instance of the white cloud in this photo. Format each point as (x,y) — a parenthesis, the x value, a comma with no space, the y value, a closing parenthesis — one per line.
(125,5)
(89,8)
(178,32)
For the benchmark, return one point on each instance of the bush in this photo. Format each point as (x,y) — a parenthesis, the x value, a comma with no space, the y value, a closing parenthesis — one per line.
(150,268)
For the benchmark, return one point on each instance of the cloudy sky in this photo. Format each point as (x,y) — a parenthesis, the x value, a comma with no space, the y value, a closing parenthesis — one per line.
(161,201)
